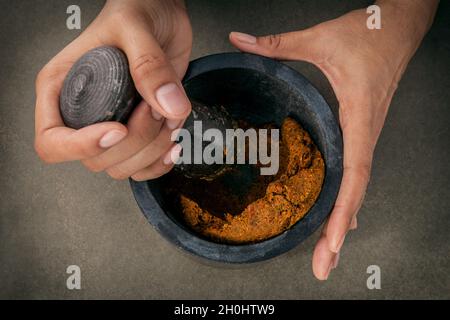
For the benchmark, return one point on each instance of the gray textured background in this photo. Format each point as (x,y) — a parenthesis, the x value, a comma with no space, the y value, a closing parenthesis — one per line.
(54,216)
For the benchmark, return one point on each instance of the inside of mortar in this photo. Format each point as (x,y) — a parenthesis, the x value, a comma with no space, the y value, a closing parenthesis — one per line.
(249,96)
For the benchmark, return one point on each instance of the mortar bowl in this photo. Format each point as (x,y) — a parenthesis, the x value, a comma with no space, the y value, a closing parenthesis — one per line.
(258,90)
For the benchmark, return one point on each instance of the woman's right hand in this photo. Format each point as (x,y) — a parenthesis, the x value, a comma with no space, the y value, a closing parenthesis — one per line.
(156,36)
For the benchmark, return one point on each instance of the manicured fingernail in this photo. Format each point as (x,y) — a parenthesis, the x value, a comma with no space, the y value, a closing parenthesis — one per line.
(335,261)
(156,115)
(111,138)
(173,155)
(172,124)
(337,247)
(327,274)
(172,99)
(354,223)
(244,37)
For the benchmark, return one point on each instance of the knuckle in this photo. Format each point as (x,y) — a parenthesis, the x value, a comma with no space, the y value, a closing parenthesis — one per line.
(51,75)
(274,42)
(150,174)
(141,177)
(122,17)
(42,76)
(144,133)
(142,137)
(40,150)
(117,174)
(82,149)
(93,166)
(143,66)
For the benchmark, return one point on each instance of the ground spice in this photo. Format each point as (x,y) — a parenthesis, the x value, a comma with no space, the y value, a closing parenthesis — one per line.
(271,205)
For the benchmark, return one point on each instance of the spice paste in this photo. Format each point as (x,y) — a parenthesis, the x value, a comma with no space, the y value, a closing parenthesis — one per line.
(271,205)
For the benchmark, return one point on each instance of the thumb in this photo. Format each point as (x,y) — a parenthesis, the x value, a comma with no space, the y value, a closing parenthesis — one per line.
(297,45)
(154,76)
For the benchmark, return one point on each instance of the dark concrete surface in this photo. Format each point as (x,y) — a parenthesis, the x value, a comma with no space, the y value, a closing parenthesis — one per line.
(55,216)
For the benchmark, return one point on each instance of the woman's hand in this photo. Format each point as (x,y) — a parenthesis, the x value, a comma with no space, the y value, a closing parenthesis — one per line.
(364,67)
(156,36)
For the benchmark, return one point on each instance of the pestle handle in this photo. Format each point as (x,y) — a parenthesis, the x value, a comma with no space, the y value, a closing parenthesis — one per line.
(99,88)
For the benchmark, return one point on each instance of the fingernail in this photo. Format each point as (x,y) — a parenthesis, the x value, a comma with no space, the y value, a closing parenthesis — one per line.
(327,274)
(173,155)
(335,261)
(354,224)
(111,138)
(155,114)
(337,247)
(172,99)
(172,124)
(244,37)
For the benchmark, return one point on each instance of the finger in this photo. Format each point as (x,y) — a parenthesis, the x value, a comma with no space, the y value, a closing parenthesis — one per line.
(160,167)
(143,127)
(357,163)
(61,144)
(144,158)
(56,143)
(323,259)
(153,74)
(298,45)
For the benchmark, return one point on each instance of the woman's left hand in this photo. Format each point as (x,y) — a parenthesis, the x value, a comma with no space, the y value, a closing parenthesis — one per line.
(364,67)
